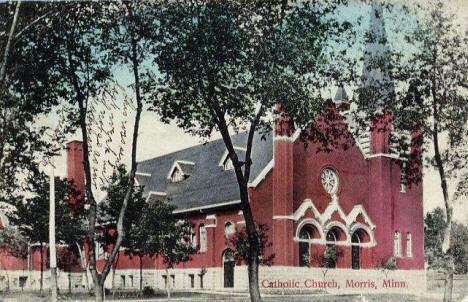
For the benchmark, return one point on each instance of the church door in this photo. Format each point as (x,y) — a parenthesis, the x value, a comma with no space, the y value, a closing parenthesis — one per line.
(355,261)
(228,268)
(355,257)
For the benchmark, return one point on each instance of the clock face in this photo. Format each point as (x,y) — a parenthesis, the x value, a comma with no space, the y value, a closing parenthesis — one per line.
(329,180)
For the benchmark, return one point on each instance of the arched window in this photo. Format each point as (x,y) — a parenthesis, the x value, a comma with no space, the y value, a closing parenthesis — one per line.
(332,236)
(397,244)
(304,247)
(193,237)
(329,257)
(355,250)
(409,245)
(229,228)
(228,268)
(203,238)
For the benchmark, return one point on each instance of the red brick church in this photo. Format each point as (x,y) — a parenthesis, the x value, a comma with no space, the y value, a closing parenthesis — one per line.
(355,201)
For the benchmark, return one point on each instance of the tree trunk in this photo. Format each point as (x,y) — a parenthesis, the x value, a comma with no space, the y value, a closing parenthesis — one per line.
(84,265)
(99,278)
(242,181)
(93,206)
(42,269)
(448,286)
(447,202)
(99,292)
(114,267)
(141,272)
(253,280)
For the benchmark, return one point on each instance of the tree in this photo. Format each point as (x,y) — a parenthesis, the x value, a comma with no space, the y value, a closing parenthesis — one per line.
(115,191)
(12,243)
(31,216)
(225,65)
(433,238)
(109,209)
(240,241)
(434,72)
(326,259)
(385,266)
(79,76)
(157,232)
(151,228)
(21,140)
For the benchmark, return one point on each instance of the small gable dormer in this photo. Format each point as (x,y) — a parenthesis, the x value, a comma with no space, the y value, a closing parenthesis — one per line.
(180,170)
(226,162)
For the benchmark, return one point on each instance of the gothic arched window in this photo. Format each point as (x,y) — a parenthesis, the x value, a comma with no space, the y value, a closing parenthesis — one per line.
(229,228)
(203,238)
(193,237)
(397,244)
(409,245)
(304,248)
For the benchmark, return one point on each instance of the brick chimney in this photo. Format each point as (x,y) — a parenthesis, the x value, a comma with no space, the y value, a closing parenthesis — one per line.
(75,175)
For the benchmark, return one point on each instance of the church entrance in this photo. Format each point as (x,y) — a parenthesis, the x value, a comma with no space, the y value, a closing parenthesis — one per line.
(355,258)
(304,248)
(359,238)
(228,268)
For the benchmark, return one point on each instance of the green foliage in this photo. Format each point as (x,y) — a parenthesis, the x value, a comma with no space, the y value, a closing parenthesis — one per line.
(241,244)
(433,237)
(429,76)
(109,209)
(150,228)
(329,257)
(224,65)
(13,242)
(21,140)
(31,215)
(217,62)
(157,232)
(390,264)
(306,259)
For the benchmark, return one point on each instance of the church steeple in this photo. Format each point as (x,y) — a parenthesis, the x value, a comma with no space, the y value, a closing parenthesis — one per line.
(376,84)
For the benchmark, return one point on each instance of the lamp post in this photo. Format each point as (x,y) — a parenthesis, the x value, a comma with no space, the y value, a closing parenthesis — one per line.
(52,248)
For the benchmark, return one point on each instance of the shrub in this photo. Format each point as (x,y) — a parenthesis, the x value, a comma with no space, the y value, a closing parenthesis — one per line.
(148,292)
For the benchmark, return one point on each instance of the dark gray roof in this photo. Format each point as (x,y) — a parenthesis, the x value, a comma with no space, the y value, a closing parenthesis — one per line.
(208,183)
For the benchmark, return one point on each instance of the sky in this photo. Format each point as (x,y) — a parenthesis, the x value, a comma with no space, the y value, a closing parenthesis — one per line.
(156,138)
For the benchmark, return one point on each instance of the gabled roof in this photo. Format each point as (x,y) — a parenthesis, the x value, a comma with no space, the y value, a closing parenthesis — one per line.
(208,184)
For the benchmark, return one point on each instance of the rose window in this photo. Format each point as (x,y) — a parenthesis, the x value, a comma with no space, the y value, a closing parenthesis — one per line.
(329,180)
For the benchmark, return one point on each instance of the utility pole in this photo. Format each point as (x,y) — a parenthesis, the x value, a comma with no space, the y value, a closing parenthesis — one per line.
(52,248)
